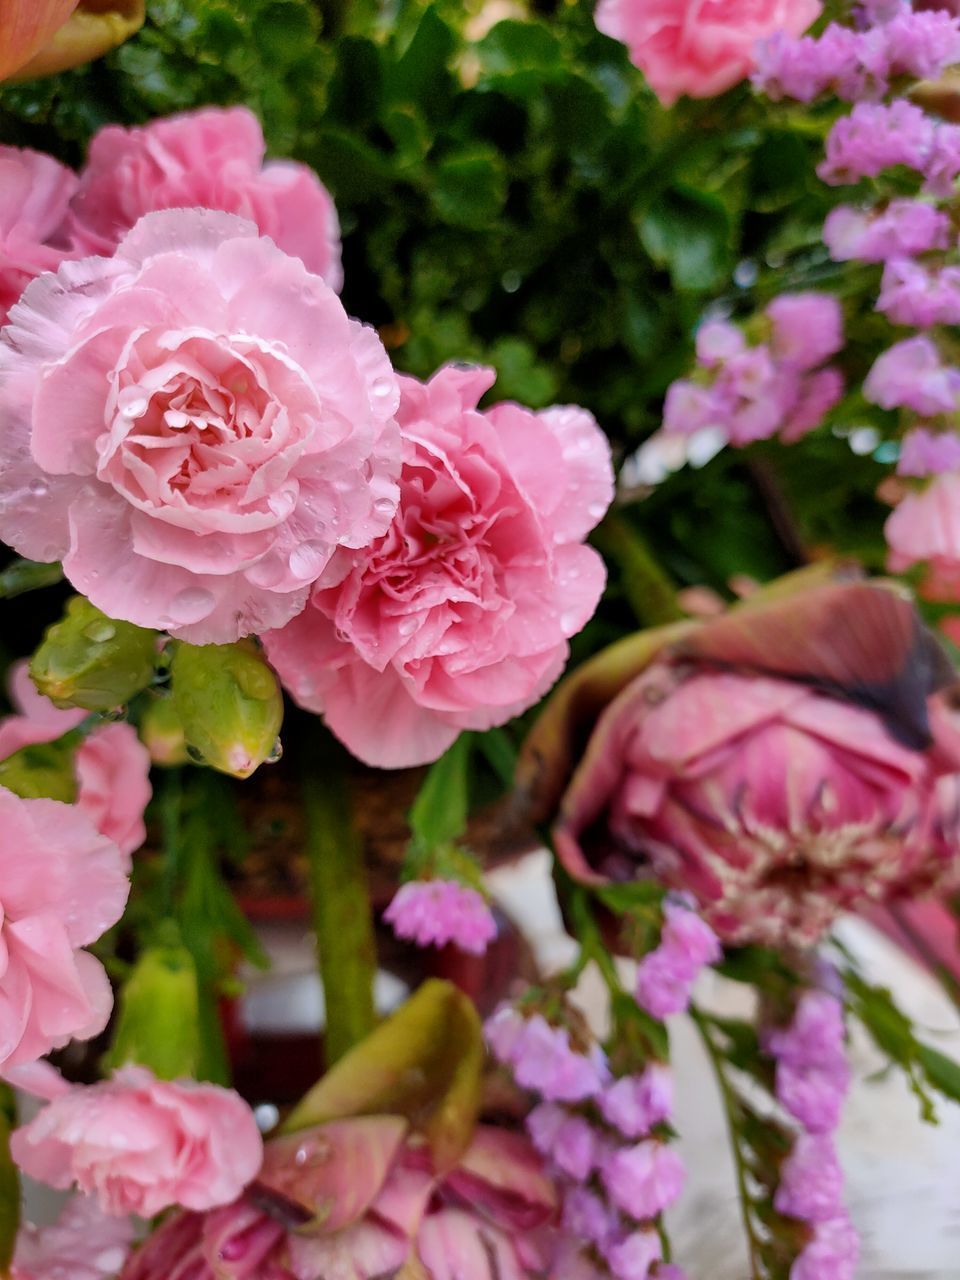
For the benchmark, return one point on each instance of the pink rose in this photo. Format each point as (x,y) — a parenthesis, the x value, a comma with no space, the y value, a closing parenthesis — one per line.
(699,47)
(35,191)
(141,1144)
(112,766)
(82,1245)
(62,885)
(458,617)
(193,426)
(209,159)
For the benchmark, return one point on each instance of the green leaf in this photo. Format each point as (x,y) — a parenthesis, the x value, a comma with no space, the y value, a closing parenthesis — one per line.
(689,233)
(439,814)
(9,1181)
(354,171)
(282,30)
(27,575)
(513,46)
(356,88)
(421,74)
(470,188)
(424,1063)
(942,1072)
(43,770)
(158,1023)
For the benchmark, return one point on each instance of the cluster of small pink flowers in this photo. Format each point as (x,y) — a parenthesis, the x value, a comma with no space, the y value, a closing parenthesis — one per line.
(598,1135)
(878,136)
(666,975)
(853,65)
(912,375)
(436,913)
(901,229)
(778,386)
(927,453)
(812,1079)
(911,294)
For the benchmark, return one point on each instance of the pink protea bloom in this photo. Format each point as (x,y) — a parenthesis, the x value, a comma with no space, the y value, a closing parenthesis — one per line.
(459,616)
(62,885)
(209,159)
(695,47)
(35,191)
(775,803)
(376,1204)
(436,913)
(193,426)
(140,1144)
(112,766)
(83,1244)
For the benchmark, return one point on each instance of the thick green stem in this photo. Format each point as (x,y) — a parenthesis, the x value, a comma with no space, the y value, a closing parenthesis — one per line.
(9,1181)
(648,588)
(343,920)
(731,1106)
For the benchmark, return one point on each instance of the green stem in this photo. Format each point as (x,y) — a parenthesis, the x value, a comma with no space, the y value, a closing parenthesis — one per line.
(342,917)
(651,594)
(9,1181)
(731,1106)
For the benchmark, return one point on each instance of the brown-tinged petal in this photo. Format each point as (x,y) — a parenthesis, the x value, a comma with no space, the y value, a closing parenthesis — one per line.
(93,29)
(26,26)
(424,1063)
(334,1171)
(501,1176)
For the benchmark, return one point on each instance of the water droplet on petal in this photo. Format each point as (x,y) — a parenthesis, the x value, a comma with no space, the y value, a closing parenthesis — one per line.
(596,510)
(382,387)
(191,604)
(307,560)
(38,487)
(276,753)
(384,507)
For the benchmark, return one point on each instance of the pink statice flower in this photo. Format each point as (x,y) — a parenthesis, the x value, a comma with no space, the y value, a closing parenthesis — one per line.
(587,1217)
(632,1256)
(832,1254)
(807,329)
(699,49)
(911,294)
(666,975)
(83,1244)
(805,68)
(437,913)
(811,1180)
(141,1145)
(62,885)
(904,229)
(927,453)
(208,159)
(876,136)
(458,616)
(193,426)
(912,375)
(644,1179)
(817,394)
(812,1073)
(635,1104)
(690,407)
(111,765)
(543,1059)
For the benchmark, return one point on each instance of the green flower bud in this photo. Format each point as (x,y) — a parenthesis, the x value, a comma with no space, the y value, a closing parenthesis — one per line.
(89,660)
(43,770)
(158,1022)
(229,703)
(162,733)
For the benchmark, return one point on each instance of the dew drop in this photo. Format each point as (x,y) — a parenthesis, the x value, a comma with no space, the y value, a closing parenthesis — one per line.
(307,560)
(100,632)
(596,510)
(407,626)
(276,753)
(38,488)
(191,604)
(510,281)
(569,622)
(382,387)
(384,507)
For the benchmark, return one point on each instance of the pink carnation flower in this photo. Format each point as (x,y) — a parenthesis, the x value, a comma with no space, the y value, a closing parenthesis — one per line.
(458,617)
(435,913)
(209,159)
(699,47)
(62,885)
(141,1144)
(112,766)
(193,426)
(35,191)
(83,1244)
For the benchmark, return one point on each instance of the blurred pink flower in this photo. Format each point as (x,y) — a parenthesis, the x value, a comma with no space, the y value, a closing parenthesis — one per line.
(84,1244)
(435,913)
(209,159)
(141,1144)
(62,885)
(111,765)
(776,805)
(924,528)
(699,47)
(193,426)
(377,1205)
(35,191)
(458,617)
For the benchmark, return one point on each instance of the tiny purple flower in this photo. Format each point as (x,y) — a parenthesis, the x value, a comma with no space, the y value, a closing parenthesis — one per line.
(643,1179)
(435,913)
(632,1256)
(634,1104)
(811,1180)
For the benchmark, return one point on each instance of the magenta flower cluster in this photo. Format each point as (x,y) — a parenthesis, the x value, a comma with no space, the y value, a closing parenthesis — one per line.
(666,975)
(438,913)
(599,1136)
(812,1079)
(781,386)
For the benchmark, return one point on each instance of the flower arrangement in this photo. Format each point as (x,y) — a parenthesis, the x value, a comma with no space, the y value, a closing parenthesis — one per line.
(541,420)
